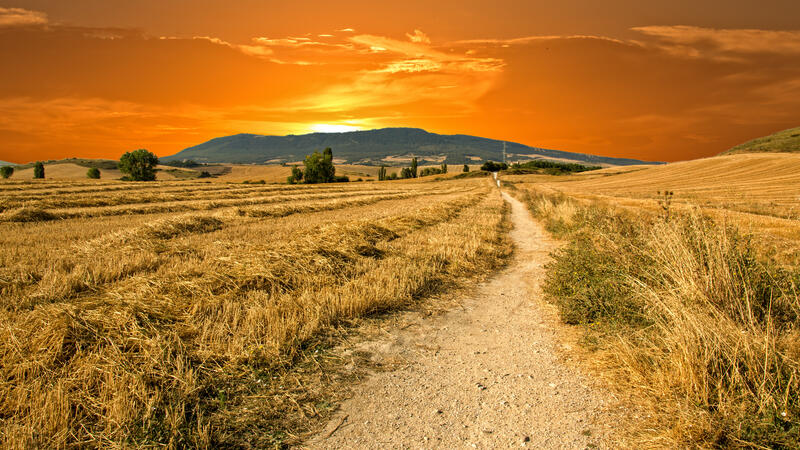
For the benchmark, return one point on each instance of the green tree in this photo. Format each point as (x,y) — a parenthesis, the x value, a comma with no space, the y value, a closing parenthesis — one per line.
(93,173)
(491,166)
(139,165)
(406,173)
(327,165)
(382,173)
(6,171)
(466,168)
(38,170)
(414,168)
(444,167)
(319,167)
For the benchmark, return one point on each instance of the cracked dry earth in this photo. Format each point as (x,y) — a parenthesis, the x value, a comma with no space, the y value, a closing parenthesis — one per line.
(491,374)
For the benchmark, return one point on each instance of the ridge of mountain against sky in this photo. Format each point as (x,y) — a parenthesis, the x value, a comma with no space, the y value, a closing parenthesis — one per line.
(389,146)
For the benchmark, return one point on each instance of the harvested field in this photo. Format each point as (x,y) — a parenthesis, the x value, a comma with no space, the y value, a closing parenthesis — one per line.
(759,193)
(138,314)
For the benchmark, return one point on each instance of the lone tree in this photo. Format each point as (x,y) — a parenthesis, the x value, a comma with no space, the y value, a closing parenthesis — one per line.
(38,170)
(444,167)
(93,173)
(382,173)
(414,168)
(466,168)
(319,167)
(140,165)
(6,171)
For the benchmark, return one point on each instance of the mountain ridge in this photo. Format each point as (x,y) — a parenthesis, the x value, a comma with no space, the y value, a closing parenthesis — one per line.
(384,146)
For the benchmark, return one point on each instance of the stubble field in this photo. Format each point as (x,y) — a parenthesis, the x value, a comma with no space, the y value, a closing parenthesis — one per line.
(138,314)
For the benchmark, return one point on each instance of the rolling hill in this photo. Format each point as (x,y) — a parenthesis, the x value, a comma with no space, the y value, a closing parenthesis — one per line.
(786,141)
(4,163)
(389,146)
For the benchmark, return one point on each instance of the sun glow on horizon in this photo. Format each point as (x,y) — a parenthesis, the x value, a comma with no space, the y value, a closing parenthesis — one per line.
(331,128)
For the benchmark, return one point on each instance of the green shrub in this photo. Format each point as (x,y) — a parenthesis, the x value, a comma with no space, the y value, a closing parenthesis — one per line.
(465,169)
(6,171)
(93,173)
(38,170)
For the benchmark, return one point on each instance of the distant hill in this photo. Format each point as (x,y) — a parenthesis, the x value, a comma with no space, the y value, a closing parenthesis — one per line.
(390,146)
(786,141)
(3,163)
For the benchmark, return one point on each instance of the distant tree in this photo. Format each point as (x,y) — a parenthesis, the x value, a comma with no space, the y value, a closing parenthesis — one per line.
(319,167)
(430,171)
(6,171)
(491,166)
(392,176)
(382,173)
(204,174)
(444,167)
(186,163)
(413,168)
(466,168)
(38,170)
(296,176)
(328,168)
(139,165)
(93,173)
(407,173)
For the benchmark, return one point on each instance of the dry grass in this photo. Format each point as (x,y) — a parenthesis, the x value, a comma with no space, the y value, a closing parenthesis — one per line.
(758,193)
(690,318)
(198,329)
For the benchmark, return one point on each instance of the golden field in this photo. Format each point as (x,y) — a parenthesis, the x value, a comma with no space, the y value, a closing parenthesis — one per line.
(759,193)
(691,302)
(139,314)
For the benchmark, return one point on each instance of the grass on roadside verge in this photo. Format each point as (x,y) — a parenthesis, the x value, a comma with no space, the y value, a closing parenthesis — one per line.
(687,316)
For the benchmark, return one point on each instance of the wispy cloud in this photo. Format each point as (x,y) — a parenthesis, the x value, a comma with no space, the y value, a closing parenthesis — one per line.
(419,37)
(10,17)
(699,42)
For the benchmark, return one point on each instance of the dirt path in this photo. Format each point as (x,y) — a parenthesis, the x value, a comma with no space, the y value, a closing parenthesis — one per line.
(489,375)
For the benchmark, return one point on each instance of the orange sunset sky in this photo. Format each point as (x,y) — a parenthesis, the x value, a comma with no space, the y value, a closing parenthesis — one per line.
(658,80)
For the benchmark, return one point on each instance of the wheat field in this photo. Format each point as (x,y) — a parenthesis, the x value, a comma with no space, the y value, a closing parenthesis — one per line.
(142,314)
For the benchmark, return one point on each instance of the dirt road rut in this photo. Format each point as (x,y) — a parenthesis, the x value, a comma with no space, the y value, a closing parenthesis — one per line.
(489,375)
